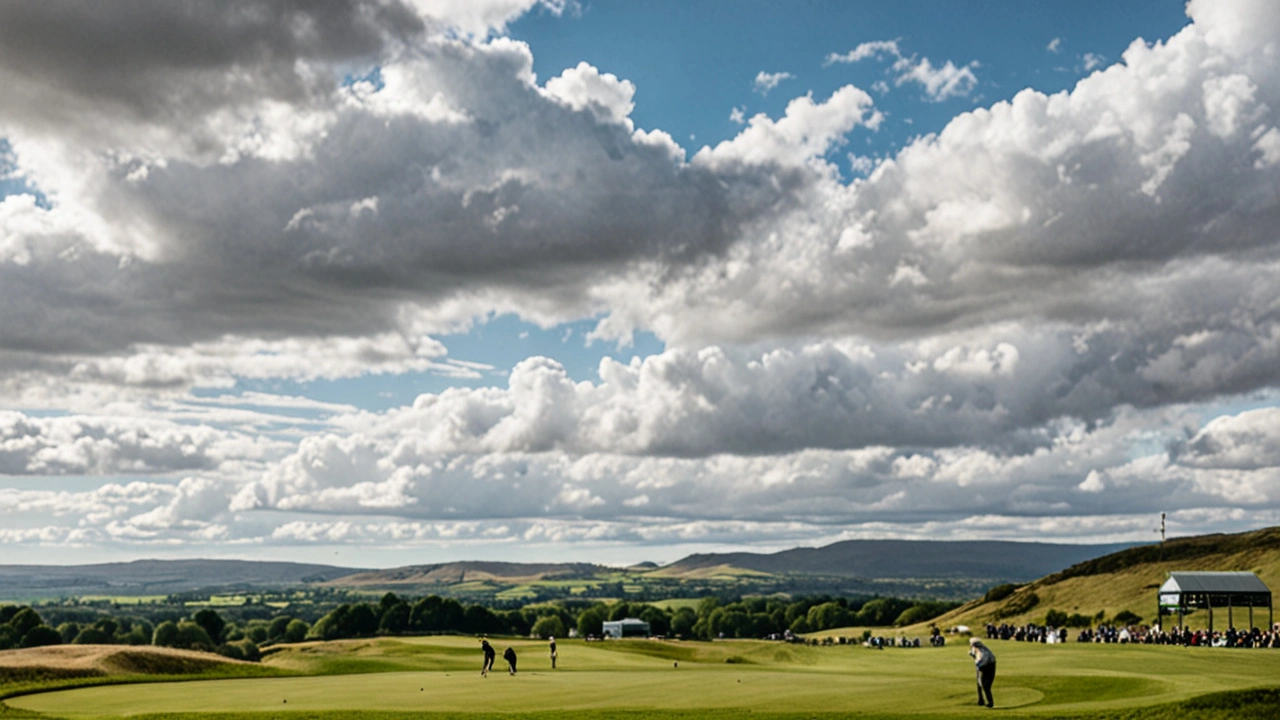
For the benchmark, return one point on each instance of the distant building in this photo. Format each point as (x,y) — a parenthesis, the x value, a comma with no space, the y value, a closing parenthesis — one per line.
(627,627)
(1186,592)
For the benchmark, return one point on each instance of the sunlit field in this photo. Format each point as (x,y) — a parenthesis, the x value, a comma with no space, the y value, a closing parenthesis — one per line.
(667,679)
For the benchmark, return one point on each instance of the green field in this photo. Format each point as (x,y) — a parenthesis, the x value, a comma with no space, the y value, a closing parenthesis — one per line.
(722,679)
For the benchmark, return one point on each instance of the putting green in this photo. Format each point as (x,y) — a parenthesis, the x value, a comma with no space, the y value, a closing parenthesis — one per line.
(742,676)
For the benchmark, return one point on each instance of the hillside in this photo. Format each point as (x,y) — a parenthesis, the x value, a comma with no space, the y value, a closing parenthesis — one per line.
(462,572)
(1128,580)
(157,577)
(988,560)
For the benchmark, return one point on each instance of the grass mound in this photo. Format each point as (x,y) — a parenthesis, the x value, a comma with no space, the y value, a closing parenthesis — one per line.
(148,662)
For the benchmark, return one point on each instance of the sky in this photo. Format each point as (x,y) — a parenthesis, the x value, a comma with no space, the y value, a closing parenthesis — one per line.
(391,282)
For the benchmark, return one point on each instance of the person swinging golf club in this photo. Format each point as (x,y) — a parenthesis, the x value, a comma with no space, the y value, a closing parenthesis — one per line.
(489,656)
(985,661)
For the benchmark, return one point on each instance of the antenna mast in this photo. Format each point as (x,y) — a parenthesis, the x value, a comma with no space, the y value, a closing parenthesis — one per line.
(1161,536)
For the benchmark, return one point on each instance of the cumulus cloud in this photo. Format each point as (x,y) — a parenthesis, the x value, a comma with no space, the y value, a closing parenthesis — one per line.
(765,82)
(88,445)
(994,325)
(938,83)
(874,49)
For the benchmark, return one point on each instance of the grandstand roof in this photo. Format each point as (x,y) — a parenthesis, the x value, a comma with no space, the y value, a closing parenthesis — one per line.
(1214,582)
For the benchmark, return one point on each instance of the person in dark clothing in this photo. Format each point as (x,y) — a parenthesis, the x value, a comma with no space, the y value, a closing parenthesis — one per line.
(489,655)
(553,653)
(985,660)
(510,656)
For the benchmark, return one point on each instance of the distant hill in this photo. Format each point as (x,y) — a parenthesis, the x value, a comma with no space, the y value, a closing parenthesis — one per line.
(157,577)
(1128,580)
(462,572)
(991,560)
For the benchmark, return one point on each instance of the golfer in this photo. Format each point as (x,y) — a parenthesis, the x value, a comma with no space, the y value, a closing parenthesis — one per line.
(553,652)
(489,655)
(510,656)
(985,660)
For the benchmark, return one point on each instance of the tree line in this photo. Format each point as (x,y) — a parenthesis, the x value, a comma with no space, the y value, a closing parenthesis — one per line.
(711,617)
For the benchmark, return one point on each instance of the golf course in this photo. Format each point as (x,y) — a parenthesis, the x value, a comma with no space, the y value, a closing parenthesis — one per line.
(439,677)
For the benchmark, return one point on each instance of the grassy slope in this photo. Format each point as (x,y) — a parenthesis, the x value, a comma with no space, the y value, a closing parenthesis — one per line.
(1128,581)
(40,669)
(724,679)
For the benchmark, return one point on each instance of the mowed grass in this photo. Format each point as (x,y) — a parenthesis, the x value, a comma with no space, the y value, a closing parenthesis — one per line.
(640,679)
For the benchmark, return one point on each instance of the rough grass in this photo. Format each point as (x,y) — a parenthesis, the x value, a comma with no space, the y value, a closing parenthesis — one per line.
(38,669)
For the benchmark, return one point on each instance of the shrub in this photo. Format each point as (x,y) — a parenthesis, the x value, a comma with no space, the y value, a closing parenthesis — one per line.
(1125,617)
(922,611)
(1017,605)
(1055,618)
(999,592)
(1076,620)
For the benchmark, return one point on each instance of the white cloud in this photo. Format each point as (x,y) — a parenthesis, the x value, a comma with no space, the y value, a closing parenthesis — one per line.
(874,49)
(765,82)
(1054,46)
(997,330)
(1093,61)
(109,445)
(940,83)
(586,88)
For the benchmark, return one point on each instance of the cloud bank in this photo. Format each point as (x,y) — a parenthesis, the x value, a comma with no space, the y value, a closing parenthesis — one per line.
(1013,324)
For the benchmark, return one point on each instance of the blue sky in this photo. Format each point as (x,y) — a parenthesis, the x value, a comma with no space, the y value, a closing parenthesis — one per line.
(615,281)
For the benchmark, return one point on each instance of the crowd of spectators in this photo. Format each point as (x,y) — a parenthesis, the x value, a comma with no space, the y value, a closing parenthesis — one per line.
(1026,633)
(1140,634)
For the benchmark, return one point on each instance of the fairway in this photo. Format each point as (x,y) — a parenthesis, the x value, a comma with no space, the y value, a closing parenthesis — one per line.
(441,675)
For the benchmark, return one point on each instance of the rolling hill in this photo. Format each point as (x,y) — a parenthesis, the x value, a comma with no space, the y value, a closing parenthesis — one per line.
(157,577)
(1128,580)
(993,560)
(462,572)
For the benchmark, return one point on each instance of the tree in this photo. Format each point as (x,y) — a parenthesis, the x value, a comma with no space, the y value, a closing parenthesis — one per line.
(211,621)
(388,601)
(92,636)
(548,626)
(41,635)
(166,634)
(683,621)
(8,611)
(659,623)
(395,618)
(296,631)
(24,620)
(108,626)
(831,615)
(194,637)
(68,631)
(425,615)
(275,631)
(591,620)
(479,619)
